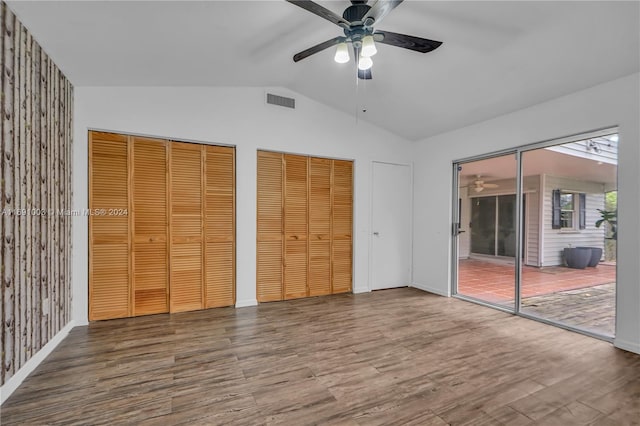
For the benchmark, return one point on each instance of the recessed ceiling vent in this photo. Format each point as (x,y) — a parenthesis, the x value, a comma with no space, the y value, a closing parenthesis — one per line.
(281,101)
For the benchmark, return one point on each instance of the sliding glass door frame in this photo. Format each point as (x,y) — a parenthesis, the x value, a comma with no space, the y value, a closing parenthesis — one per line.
(455,231)
(519,261)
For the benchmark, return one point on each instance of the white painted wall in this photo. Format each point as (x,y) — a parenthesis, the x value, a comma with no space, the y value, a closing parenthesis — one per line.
(614,103)
(555,240)
(231,116)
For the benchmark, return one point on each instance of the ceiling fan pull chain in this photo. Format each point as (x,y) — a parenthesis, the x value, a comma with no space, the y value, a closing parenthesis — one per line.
(357,95)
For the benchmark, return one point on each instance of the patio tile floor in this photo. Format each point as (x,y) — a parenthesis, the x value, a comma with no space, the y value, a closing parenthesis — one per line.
(583,298)
(494,282)
(590,308)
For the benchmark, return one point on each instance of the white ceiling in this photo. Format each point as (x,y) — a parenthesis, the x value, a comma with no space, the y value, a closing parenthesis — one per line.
(497,56)
(538,162)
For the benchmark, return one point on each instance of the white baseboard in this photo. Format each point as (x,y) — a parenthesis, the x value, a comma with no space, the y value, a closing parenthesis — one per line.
(425,287)
(246,302)
(361,290)
(627,345)
(16,380)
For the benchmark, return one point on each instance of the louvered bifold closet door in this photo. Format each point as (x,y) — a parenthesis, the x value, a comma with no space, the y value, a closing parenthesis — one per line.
(219,227)
(269,223)
(342,253)
(295,225)
(109,295)
(149,209)
(186,277)
(319,226)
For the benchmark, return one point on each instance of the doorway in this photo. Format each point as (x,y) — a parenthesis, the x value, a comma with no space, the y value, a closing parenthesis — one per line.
(494,232)
(556,202)
(391,225)
(487,230)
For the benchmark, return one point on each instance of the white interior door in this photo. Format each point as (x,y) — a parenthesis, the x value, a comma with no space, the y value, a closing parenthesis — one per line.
(391,226)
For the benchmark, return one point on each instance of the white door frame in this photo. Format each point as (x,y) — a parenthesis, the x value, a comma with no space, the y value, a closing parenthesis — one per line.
(370,228)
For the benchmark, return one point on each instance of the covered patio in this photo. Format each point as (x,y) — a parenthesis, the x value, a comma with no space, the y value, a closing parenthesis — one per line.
(583,298)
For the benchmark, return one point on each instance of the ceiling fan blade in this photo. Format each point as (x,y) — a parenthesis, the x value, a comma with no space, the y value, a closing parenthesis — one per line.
(317,48)
(321,11)
(418,44)
(364,74)
(379,10)
(491,185)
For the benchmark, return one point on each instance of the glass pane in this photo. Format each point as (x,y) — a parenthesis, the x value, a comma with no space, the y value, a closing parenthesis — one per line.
(566,201)
(507,225)
(570,277)
(487,201)
(483,225)
(566,219)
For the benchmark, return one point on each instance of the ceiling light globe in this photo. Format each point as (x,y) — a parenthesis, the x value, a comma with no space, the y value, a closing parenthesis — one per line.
(342,54)
(365,63)
(368,47)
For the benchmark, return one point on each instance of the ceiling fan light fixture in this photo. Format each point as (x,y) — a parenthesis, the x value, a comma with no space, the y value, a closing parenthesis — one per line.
(368,47)
(365,63)
(342,53)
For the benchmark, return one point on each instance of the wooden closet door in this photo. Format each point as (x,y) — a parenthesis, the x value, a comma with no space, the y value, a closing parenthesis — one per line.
(269,276)
(149,210)
(295,226)
(219,227)
(109,295)
(342,252)
(186,286)
(319,226)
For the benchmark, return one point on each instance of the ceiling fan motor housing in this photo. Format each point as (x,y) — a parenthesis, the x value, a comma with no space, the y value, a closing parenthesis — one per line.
(355,12)
(358,29)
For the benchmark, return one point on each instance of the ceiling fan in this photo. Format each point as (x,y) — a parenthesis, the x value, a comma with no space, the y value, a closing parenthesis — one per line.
(358,21)
(479,185)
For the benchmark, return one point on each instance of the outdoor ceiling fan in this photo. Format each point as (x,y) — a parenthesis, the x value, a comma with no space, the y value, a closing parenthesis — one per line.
(358,21)
(479,185)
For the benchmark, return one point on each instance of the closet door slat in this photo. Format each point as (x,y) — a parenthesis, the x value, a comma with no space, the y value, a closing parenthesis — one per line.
(149,210)
(319,226)
(219,226)
(109,287)
(186,227)
(342,219)
(295,225)
(269,277)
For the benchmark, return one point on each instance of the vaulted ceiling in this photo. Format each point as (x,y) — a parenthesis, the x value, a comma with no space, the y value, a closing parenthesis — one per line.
(497,56)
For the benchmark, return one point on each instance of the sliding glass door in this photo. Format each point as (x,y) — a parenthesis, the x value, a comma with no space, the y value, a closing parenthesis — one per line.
(555,205)
(483,231)
(487,230)
(494,232)
(570,276)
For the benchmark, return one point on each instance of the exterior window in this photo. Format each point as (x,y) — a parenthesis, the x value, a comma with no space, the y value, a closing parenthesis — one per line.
(567,210)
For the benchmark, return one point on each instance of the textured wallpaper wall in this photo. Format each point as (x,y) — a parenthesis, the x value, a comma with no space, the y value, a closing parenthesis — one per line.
(35,185)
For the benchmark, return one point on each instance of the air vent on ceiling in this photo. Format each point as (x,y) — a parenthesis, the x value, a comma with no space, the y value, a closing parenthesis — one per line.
(281,101)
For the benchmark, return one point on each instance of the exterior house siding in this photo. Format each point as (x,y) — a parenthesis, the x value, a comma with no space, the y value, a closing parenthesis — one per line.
(555,240)
(532,233)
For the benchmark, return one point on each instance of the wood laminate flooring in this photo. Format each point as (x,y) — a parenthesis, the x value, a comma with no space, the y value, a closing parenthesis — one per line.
(389,357)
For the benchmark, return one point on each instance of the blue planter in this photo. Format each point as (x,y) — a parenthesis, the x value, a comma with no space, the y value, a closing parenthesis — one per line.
(577,257)
(596,255)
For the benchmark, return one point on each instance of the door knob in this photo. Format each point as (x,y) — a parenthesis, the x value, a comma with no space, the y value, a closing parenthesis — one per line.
(377,234)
